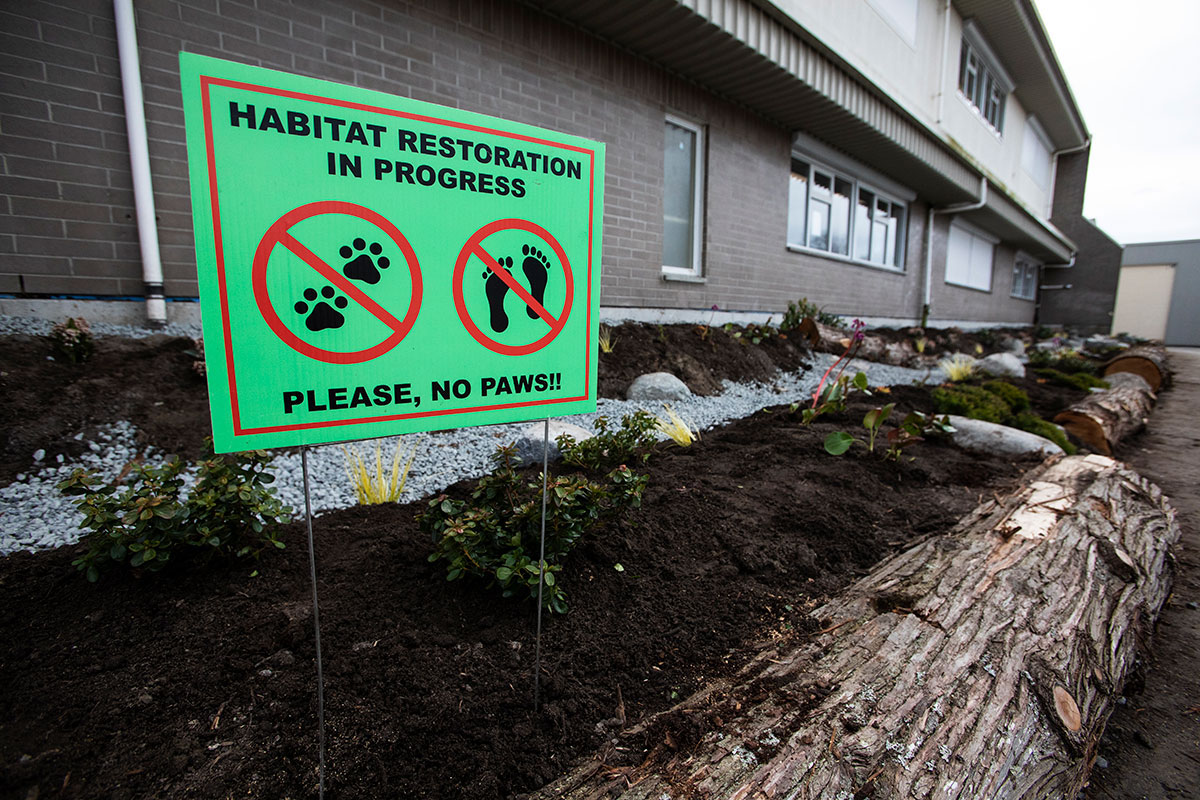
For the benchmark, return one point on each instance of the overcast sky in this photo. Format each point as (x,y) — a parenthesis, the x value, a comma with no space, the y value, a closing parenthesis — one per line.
(1135,71)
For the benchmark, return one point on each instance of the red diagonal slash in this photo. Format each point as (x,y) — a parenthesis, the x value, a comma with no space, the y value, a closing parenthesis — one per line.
(338,280)
(511,283)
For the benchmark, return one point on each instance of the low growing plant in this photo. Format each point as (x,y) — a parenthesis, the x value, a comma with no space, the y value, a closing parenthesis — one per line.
(199,365)
(230,512)
(676,428)
(72,340)
(958,367)
(999,402)
(752,332)
(1075,380)
(381,487)
(627,444)
(606,339)
(839,442)
(495,536)
(798,311)
(832,397)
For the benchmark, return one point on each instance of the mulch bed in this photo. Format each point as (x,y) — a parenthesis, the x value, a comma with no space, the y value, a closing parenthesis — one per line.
(202,683)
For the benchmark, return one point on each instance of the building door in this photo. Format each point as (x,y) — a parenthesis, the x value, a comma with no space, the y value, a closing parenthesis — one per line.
(1144,300)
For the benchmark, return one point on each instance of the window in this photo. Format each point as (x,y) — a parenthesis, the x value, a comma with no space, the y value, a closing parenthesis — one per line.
(981,80)
(969,256)
(1036,159)
(835,214)
(1025,277)
(683,198)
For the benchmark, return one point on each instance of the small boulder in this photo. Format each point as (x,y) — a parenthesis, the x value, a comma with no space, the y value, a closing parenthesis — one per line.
(1002,365)
(1011,344)
(529,443)
(988,438)
(657,386)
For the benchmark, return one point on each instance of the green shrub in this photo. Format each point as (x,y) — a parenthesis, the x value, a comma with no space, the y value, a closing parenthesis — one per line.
(1067,361)
(629,443)
(495,536)
(1077,380)
(1014,397)
(229,513)
(72,340)
(972,401)
(798,311)
(1047,430)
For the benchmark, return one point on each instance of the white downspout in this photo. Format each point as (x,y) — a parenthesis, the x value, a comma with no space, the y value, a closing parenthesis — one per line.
(942,74)
(954,209)
(1054,186)
(139,161)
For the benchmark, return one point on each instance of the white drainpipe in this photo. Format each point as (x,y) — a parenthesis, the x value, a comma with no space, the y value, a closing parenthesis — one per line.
(139,160)
(954,209)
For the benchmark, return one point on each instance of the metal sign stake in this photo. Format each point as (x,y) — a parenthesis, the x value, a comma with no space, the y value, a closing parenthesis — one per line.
(312,568)
(537,648)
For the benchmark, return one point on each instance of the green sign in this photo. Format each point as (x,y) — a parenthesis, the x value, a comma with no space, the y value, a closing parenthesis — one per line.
(371,265)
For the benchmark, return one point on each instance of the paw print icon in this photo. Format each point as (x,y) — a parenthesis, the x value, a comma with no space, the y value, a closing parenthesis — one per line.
(325,293)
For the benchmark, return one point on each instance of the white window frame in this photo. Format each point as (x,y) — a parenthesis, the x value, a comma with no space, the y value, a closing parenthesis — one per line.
(977,236)
(991,82)
(1027,269)
(857,186)
(697,268)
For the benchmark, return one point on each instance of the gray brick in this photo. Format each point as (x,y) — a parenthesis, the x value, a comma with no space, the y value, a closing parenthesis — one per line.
(10,283)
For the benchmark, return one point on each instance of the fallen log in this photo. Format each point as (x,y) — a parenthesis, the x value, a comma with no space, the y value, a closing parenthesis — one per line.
(981,663)
(1102,419)
(1148,360)
(827,339)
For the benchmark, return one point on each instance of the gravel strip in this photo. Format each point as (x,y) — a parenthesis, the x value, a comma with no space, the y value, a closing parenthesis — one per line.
(35,326)
(35,516)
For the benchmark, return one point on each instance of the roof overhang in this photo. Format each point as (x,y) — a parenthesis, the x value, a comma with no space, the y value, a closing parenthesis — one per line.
(752,54)
(1015,30)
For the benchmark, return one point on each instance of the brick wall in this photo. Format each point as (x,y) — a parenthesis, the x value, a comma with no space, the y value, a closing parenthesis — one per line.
(1088,305)
(66,215)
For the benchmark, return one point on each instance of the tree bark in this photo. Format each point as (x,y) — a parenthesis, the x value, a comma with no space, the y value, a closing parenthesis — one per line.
(1149,361)
(1103,419)
(826,339)
(981,663)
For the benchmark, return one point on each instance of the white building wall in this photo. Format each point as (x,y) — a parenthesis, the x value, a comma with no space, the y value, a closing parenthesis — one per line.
(879,39)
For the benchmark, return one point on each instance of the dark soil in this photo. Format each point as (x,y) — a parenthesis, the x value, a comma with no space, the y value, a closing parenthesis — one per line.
(202,683)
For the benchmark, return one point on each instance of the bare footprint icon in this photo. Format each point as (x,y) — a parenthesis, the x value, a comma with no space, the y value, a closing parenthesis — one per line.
(366,264)
(537,270)
(497,290)
(322,316)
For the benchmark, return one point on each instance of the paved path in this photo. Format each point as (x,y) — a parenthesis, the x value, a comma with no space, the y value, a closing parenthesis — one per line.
(1152,744)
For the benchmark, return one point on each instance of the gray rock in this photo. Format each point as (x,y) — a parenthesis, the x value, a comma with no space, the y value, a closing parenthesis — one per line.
(657,386)
(1002,365)
(39,454)
(1011,344)
(977,436)
(529,443)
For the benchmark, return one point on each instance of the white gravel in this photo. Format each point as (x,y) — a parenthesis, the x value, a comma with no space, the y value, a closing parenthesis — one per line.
(35,516)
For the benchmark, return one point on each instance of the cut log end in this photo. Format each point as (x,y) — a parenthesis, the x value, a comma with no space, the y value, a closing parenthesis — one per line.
(1148,362)
(1068,709)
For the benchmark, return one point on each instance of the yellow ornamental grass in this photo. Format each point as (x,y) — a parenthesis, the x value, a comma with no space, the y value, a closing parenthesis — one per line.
(606,339)
(958,367)
(381,487)
(678,429)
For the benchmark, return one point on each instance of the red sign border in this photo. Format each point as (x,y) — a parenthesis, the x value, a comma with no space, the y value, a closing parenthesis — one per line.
(460,304)
(238,430)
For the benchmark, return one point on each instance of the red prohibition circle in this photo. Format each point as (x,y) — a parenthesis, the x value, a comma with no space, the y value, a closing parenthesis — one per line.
(473,247)
(280,234)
